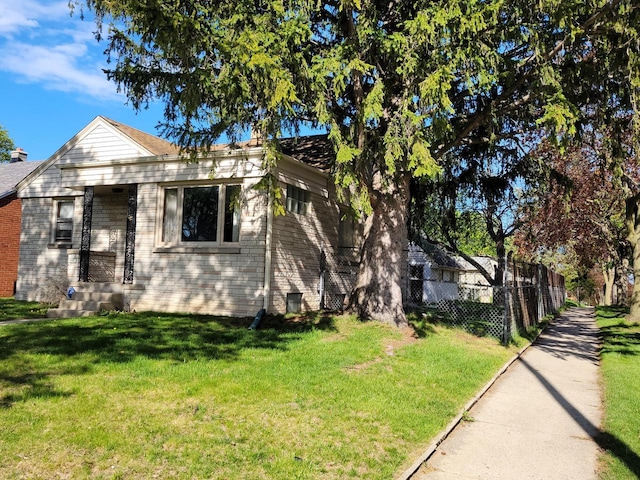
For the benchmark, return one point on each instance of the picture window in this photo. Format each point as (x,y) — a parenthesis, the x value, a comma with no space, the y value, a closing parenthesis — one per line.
(201,214)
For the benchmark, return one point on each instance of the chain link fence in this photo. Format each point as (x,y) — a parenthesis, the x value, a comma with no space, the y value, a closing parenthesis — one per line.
(529,293)
(339,270)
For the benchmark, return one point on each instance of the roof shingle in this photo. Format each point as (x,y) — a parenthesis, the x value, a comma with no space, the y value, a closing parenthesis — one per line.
(13,173)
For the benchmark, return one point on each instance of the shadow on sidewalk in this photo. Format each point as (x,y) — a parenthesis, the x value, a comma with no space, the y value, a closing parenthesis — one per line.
(605,440)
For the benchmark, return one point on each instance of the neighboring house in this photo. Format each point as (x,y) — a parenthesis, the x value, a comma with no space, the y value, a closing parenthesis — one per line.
(10,217)
(434,274)
(118,209)
(474,286)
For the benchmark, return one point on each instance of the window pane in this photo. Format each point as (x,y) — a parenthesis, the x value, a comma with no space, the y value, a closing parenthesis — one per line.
(200,214)
(64,230)
(232,214)
(297,200)
(64,221)
(170,215)
(65,210)
(346,231)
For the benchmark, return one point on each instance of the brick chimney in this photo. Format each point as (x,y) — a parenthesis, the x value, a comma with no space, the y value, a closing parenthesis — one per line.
(18,155)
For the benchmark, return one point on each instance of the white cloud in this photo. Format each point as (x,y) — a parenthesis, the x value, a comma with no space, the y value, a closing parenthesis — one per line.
(41,43)
(27,14)
(57,68)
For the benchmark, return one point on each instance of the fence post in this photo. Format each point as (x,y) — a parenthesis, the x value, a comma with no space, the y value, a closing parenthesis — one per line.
(506,319)
(541,302)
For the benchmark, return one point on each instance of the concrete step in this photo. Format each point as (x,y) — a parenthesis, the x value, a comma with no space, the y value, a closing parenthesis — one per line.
(116,299)
(89,299)
(98,287)
(94,305)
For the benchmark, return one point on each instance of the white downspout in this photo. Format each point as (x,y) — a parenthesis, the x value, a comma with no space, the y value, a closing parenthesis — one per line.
(266,292)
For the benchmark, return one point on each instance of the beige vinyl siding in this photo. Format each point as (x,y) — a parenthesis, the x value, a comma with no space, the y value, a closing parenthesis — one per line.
(102,143)
(213,283)
(47,184)
(298,240)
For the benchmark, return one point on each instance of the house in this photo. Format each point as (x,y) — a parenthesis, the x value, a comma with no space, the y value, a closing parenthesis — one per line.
(434,274)
(120,212)
(475,286)
(10,217)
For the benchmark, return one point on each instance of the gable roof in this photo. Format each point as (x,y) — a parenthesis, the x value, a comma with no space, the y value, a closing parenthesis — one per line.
(147,143)
(13,173)
(437,255)
(155,145)
(315,151)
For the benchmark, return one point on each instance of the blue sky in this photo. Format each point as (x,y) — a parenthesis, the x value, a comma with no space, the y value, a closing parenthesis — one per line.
(51,79)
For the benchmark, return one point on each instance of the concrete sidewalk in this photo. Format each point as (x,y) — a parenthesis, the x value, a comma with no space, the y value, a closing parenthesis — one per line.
(24,320)
(539,419)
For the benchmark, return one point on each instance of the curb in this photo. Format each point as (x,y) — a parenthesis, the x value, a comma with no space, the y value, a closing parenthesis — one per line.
(408,473)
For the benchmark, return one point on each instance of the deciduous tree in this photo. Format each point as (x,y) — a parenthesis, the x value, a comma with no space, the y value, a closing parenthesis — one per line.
(580,211)
(6,145)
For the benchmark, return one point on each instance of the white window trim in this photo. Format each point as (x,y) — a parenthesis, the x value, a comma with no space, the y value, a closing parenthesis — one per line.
(180,246)
(54,221)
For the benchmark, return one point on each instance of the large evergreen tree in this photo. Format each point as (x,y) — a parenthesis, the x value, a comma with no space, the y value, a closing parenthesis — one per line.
(397,84)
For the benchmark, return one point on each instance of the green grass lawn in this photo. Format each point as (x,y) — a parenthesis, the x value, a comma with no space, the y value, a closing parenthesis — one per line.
(12,310)
(149,395)
(621,378)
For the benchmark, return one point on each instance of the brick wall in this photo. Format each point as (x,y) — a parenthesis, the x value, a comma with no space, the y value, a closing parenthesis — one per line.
(9,244)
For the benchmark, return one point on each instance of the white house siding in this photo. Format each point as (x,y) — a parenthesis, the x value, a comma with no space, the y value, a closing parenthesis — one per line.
(212,283)
(298,241)
(436,291)
(47,184)
(151,170)
(101,143)
(41,264)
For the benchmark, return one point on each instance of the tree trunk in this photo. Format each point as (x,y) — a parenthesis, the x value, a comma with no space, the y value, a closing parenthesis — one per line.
(501,253)
(609,276)
(622,292)
(383,262)
(633,231)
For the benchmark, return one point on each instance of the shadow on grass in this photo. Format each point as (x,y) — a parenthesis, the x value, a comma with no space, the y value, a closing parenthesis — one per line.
(120,337)
(10,309)
(613,311)
(423,323)
(623,339)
